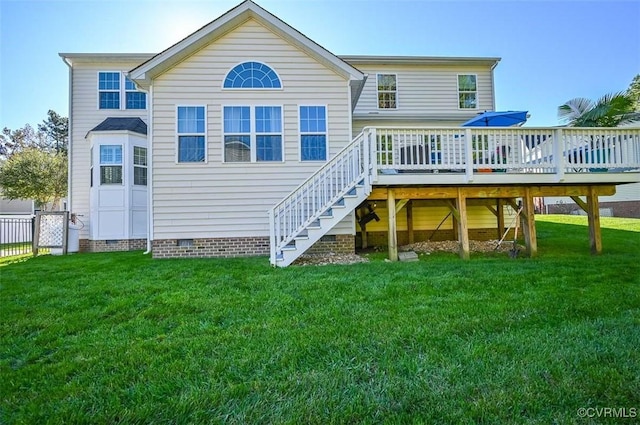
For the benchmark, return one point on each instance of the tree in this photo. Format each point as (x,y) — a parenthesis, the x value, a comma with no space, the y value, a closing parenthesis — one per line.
(35,174)
(51,136)
(13,141)
(634,92)
(611,110)
(56,129)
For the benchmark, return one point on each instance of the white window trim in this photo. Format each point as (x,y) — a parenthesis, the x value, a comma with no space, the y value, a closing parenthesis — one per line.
(459,92)
(224,77)
(252,132)
(124,105)
(134,165)
(386,91)
(177,136)
(98,90)
(121,164)
(326,134)
(122,92)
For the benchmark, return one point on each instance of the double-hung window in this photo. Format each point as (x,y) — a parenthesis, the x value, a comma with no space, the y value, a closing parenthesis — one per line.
(115,91)
(268,133)
(139,166)
(191,133)
(134,99)
(467,91)
(252,133)
(313,133)
(387,91)
(110,164)
(109,90)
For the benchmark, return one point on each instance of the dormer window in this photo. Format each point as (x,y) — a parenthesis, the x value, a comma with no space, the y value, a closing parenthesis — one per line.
(252,75)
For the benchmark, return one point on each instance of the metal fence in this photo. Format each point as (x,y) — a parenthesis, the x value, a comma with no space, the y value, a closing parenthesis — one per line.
(16,235)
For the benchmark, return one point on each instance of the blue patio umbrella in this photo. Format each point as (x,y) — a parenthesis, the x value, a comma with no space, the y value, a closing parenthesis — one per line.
(497,119)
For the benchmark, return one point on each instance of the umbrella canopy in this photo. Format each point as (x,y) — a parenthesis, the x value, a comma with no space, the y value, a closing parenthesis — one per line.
(497,119)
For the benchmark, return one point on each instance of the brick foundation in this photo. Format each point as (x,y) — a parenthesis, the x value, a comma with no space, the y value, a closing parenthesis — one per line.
(212,247)
(241,247)
(87,245)
(338,244)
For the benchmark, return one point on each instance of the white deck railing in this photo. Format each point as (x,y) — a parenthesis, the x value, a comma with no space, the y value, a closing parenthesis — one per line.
(320,192)
(519,150)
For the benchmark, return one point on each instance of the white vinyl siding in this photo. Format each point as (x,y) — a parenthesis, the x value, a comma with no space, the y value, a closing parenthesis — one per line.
(427,92)
(84,116)
(227,199)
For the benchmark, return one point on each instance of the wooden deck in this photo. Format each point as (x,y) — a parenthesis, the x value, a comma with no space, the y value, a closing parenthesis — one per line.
(456,167)
(499,166)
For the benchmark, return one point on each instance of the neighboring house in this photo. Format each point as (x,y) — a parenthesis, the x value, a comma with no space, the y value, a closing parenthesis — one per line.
(190,152)
(16,206)
(625,203)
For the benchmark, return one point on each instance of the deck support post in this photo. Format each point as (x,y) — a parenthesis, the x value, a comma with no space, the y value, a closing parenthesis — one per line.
(363,233)
(393,234)
(593,212)
(529,223)
(500,216)
(463,228)
(410,222)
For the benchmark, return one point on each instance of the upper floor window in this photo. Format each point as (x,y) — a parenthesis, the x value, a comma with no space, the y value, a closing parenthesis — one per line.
(252,75)
(191,133)
(313,133)
(110,164)
(387,91)
(112,96)
(109,90)
(134,99)
(467,91)
(248,139)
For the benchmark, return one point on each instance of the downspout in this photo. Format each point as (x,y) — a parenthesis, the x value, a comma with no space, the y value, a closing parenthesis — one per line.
(69,133)
(150,173)
(493,84)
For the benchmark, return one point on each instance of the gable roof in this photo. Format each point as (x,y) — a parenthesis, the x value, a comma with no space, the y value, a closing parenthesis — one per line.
(135,125)
(144,73)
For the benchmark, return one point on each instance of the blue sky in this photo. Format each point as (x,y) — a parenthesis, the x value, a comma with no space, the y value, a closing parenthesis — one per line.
(551,51)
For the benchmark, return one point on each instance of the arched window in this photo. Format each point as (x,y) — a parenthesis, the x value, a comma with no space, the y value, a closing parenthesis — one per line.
(252,75)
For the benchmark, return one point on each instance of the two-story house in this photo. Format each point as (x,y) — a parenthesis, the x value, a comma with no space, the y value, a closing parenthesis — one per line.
(248,138)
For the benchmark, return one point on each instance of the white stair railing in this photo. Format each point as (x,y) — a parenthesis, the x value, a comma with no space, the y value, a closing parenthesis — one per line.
(316,195)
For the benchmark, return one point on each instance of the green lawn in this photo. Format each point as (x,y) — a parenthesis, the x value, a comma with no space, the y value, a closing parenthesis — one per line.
(122,338)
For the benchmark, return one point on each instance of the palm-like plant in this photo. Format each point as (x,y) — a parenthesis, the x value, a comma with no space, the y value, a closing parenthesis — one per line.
(611,110)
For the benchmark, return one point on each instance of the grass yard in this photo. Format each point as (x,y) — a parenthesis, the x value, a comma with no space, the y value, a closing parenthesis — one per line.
(122,338)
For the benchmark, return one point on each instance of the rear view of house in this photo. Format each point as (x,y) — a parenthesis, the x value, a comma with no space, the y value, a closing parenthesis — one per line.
(248,138)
